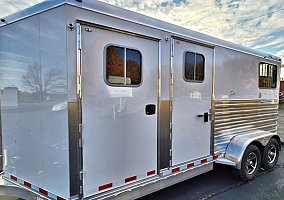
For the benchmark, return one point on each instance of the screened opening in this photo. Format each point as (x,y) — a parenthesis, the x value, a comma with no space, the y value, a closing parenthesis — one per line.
(123,66)
(267,75)
(194,67)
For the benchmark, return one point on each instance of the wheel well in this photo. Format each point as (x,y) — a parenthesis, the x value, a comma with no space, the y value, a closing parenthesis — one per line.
(259,146)
(278,140)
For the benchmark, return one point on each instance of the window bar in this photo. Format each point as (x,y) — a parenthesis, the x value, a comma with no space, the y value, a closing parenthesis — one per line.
(194,78)
(125,81)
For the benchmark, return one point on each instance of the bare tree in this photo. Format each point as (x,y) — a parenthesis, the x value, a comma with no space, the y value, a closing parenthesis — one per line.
(38,82)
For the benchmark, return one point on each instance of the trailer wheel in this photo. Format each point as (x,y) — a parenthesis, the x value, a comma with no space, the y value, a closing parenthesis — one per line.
(251,162)
(270,154)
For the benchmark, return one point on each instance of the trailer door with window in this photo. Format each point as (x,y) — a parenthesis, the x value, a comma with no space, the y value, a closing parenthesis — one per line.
(192,90)
(119,113)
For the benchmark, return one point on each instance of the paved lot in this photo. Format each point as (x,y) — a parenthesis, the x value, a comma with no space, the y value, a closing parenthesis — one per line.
(220,184)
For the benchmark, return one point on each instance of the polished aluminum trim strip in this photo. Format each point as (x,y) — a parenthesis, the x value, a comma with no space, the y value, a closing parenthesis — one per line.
(232,124)
(107,28)
(243,111)
(172,52)
(159,106)
(237,117)
(79,102)
(245,114)
(224,101)
(193,42)
(212,103)
(243,117)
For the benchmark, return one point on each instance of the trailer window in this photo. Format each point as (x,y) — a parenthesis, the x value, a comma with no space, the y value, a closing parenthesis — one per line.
(123,66)
(194,67)
(267,76)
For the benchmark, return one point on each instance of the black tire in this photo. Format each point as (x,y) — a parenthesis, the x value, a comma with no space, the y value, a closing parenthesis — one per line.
(268,159)
(251,162)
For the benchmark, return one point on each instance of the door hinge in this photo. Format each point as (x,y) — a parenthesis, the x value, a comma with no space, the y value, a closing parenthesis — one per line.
(81,189)
(79,36)
(80,128)
(81,175)
(79,86)
(171,152)
(80,142)
(172,47)
(171,125)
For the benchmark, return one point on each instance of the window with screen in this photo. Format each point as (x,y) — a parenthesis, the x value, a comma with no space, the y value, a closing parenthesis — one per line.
(194,67)
(123,66)
(267,76)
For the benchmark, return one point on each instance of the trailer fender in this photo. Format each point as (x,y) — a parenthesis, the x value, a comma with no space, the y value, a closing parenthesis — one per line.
(238,144)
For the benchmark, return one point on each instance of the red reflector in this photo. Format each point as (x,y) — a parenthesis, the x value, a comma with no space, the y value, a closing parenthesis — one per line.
(175,170)
(190,165)
(203,161)
(133,178)
(215,157)
(27,184)
(104,187)
(14,178)
(60,198)
(42,191)
(151,172)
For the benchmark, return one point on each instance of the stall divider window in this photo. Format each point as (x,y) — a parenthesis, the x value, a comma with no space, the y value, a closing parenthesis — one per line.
(123,66)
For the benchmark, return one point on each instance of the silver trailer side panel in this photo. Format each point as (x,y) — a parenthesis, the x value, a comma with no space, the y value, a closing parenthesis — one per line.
(35,129)
(240,106)
(237,74)
(238,117)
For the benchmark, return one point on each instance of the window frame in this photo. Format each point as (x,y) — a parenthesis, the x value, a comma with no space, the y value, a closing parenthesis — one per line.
(183,71)
(267,88)
(125,56)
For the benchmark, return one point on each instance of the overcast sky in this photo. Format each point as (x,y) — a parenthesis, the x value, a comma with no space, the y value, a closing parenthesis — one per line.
(258,24)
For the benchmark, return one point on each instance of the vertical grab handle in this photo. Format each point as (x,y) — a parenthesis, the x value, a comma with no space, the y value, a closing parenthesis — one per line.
(205,116)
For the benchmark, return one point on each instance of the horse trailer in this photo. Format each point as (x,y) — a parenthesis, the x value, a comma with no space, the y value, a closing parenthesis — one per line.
(98,102)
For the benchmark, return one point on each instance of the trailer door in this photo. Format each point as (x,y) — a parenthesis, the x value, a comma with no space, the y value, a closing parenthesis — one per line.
(192,91)
(119,108)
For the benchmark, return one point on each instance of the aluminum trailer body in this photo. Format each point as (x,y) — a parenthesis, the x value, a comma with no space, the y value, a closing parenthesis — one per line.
(100,102)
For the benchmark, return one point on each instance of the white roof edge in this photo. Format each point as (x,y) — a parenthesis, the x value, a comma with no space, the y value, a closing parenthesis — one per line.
(30,11)
(117,12)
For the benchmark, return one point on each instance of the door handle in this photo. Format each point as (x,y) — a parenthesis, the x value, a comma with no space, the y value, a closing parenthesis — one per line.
(205,115)
(150,109)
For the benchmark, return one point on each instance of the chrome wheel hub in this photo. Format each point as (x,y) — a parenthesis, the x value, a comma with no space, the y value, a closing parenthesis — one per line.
(272,153)
(251,163)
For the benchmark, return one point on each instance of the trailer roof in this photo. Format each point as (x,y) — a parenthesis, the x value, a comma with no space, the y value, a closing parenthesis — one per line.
(121,13)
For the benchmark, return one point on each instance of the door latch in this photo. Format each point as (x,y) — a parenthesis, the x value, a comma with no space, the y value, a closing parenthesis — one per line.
(205,115)
(150,109)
